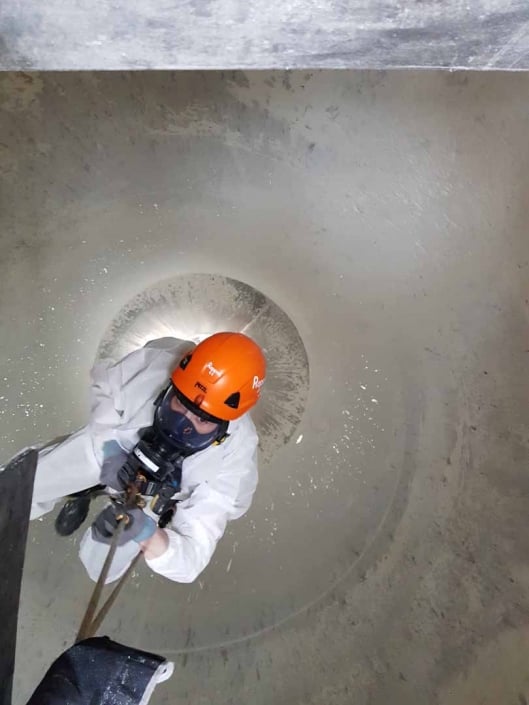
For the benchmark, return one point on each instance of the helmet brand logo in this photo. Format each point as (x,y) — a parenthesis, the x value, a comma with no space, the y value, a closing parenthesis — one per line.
(213,372)
(201,387)
(257,383)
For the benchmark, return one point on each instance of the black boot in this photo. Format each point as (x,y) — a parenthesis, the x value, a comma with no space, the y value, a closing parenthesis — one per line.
(75,510)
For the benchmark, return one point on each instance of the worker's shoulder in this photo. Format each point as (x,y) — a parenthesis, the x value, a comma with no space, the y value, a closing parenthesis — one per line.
(243,426)
(169,344)
(242,436)
(159,351)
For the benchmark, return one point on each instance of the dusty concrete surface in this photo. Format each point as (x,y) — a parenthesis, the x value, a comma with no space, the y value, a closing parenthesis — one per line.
(69,35)
(385,556)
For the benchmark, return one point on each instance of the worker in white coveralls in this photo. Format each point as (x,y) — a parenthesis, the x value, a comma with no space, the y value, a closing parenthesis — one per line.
(170,421)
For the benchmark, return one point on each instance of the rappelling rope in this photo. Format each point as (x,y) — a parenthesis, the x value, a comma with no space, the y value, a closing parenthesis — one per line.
(90,623)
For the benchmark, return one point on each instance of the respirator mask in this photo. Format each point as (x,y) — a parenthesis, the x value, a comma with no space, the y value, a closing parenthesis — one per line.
(179,430)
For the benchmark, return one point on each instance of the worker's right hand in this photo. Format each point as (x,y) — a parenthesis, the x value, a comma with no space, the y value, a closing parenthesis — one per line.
(138,526)
(114,459)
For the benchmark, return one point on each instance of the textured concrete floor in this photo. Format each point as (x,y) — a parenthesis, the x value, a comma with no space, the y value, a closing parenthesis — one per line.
(385,556)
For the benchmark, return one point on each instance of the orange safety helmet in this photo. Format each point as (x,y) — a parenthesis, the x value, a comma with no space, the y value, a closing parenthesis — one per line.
(222,377)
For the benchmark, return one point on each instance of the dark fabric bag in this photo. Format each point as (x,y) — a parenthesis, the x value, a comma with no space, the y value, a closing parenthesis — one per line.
(99,671)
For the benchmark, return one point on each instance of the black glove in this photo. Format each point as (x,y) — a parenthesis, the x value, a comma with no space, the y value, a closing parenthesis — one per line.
(139,526)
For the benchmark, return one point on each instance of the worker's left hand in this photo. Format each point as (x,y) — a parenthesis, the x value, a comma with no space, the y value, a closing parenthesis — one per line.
(139,526)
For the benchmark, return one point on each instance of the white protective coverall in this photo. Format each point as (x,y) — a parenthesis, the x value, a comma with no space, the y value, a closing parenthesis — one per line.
(217,483)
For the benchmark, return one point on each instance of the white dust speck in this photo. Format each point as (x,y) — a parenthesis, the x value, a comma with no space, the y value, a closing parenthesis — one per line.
(229,565)
(375,401)
(299,439)
(362,386)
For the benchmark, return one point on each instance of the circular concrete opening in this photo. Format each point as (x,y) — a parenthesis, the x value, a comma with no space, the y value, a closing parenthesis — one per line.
(194,306)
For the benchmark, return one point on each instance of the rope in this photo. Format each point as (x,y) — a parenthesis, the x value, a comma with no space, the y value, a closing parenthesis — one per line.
(90,623)
(113,595)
